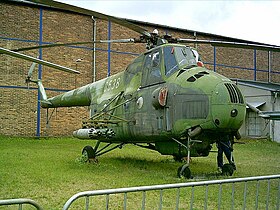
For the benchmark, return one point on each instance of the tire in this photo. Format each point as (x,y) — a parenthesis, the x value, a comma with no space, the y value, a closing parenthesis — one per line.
(186,172)
(88,153)
(227,170)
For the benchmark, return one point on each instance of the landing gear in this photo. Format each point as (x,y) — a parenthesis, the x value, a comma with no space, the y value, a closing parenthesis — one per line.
(184,170)
(228,169)
(89,153)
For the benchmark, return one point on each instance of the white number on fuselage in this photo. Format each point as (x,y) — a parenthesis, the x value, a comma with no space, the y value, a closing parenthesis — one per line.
(112,84)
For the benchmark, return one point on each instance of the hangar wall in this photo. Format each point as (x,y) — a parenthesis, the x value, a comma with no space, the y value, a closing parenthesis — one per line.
(21,26)
(27,25)
(264,97)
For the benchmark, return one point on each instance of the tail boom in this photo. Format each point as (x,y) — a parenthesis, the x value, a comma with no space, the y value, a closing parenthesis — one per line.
(77,97)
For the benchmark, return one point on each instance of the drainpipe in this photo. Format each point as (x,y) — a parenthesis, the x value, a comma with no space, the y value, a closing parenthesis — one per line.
(109,49)
(94,60)
(269,66)
(94,50)
(214,51)
(272,122)
(194,34)
(255,64)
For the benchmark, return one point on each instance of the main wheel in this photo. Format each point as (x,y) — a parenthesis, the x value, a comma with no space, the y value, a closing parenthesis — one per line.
(88,153)
(227,169)
(184,171)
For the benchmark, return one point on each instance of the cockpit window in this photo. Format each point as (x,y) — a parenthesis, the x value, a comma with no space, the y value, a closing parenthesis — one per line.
(185,56)
(155,59)
(170,62)
(177,57)
(152,68)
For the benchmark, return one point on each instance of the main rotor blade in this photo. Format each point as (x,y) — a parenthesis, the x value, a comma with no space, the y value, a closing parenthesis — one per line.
(232,44)
(119,21)
(36,60)
(72,43)
(248,46)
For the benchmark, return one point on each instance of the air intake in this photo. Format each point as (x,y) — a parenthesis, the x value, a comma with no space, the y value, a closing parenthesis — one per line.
(234,93)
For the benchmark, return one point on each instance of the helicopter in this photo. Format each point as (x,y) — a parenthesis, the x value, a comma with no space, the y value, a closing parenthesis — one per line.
(166,100)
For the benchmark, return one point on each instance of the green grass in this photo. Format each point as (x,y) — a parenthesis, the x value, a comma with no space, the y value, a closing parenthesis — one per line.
(49,171)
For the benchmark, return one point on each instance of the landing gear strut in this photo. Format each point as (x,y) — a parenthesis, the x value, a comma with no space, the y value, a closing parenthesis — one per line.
(89,153)
(184,170)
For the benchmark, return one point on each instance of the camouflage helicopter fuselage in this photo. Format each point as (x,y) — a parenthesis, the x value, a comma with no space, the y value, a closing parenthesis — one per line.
(162,95)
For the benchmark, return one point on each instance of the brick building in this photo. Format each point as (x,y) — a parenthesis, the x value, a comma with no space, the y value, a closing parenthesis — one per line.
(27,24)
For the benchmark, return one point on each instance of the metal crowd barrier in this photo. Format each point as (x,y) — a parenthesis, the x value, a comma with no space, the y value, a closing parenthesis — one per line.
(20,202)
(179,187)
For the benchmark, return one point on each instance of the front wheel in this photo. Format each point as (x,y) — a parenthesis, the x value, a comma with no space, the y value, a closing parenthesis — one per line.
(88,153)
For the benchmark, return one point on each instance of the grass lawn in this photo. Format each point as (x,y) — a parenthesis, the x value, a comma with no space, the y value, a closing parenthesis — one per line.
(49,171)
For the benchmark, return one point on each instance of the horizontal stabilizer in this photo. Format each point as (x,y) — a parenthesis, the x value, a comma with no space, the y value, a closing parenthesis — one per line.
(270,115)
(44,102)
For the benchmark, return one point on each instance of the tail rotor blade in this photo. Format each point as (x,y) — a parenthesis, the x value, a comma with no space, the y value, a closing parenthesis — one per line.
(31,69)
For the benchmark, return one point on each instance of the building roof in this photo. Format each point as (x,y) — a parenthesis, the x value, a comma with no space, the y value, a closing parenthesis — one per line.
(70,8)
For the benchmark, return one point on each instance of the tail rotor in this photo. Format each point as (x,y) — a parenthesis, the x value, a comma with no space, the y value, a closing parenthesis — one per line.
(29,75)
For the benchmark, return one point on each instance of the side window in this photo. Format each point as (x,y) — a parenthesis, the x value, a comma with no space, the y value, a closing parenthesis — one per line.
(148,62)
(155,59)
(155,71)
(170,62)
(152,68)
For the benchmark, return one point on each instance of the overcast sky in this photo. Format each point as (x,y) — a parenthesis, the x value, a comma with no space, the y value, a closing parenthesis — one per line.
(250,20)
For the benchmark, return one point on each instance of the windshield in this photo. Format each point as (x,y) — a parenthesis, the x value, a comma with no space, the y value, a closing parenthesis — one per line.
(176,58)
(185,57)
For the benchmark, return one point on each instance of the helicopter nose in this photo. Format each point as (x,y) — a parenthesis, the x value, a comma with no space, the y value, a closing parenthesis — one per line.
(228,108)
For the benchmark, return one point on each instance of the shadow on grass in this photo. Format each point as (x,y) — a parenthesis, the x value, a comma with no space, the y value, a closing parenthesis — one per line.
(200,170)
(140,163)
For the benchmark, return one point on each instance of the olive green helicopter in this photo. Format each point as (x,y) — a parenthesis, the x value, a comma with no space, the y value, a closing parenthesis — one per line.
(166,99)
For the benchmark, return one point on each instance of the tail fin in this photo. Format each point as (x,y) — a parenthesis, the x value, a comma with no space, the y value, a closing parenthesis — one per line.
(44,98)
